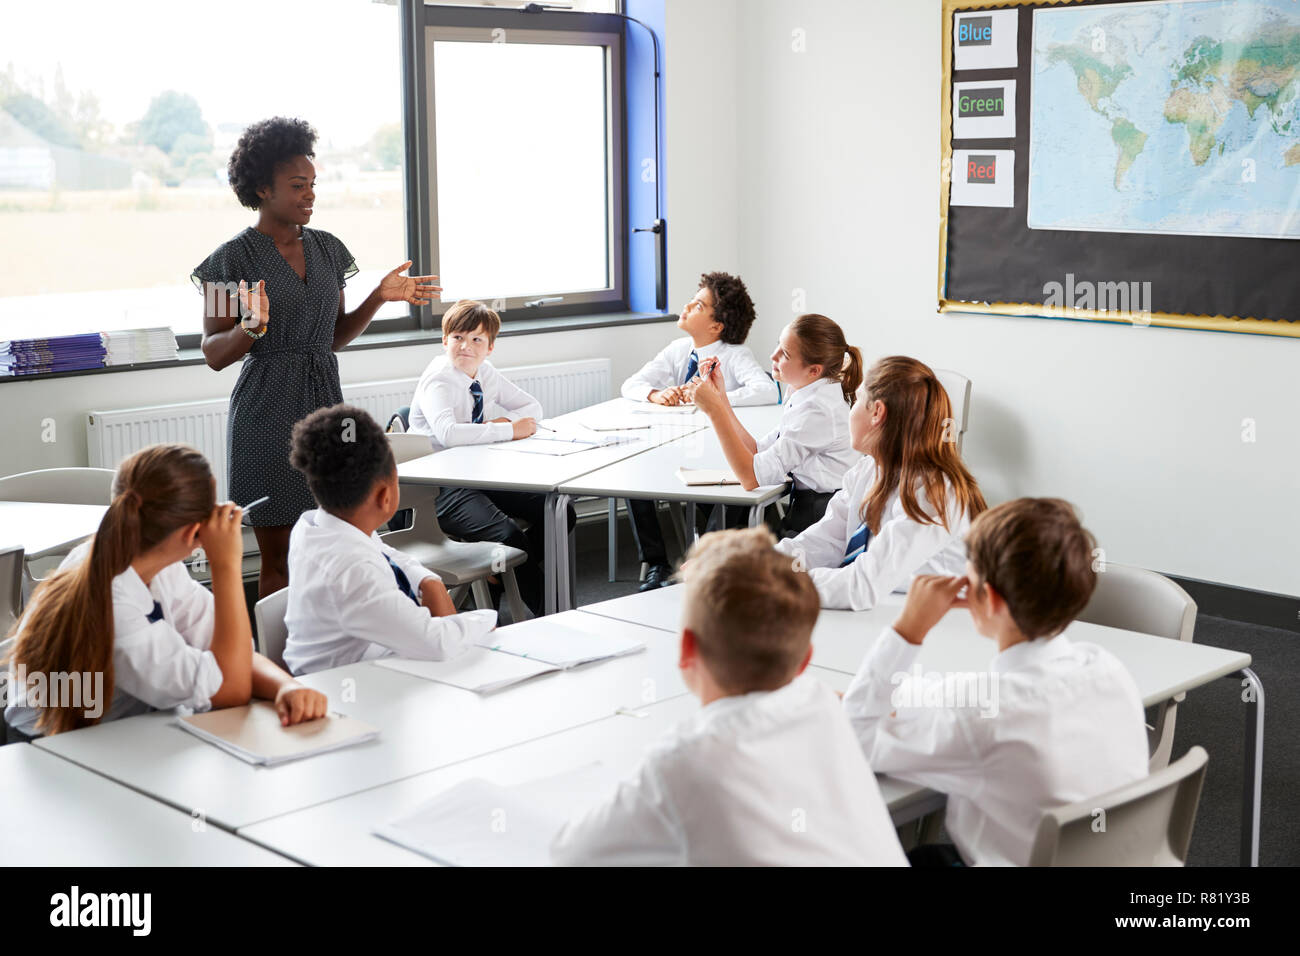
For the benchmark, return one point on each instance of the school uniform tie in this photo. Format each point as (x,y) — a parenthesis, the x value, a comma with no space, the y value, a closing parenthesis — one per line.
(692,366)
(156,615)
(857,544)
(476,390)
(403,581)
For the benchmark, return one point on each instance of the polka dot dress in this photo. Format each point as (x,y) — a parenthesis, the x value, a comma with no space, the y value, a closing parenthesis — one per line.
(290,371)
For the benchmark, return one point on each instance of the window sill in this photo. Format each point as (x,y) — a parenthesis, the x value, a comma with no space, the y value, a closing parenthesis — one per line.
(386,340)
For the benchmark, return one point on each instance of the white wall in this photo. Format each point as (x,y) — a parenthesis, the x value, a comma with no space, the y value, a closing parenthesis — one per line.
(837,164)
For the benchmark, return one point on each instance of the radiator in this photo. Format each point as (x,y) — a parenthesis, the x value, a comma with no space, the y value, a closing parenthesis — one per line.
(113,434)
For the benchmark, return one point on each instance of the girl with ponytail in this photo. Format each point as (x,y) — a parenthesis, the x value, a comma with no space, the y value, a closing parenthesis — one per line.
(810,447)
(124,624)
(905,508)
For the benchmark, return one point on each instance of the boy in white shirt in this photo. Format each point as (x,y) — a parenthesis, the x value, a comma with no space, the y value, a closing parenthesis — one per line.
(768,773)
(462,400)
(352,597)
(716,322)
(1053,722)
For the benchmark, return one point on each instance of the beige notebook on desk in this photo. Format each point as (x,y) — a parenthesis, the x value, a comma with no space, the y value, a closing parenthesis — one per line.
(253,733)
(705,476)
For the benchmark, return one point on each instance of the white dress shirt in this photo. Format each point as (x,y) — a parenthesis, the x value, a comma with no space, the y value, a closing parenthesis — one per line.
(443,406)
(902,550)
(1067,725)
(769,778)
(160,664)
(812,441)
(345,604)
(744,378)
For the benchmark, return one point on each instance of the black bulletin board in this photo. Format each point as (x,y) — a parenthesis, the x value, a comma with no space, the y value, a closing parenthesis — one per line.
(991,261)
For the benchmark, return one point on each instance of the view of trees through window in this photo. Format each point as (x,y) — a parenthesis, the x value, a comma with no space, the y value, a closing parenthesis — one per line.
(116,124)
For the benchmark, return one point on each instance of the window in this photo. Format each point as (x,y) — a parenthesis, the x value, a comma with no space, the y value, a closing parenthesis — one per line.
(114,139)
(522,185)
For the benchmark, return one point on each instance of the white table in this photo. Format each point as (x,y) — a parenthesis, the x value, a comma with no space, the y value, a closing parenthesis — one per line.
(423,725)
(652,476)
(44,527)
(498,468)
(54,813)
(339,833)
(1162,668)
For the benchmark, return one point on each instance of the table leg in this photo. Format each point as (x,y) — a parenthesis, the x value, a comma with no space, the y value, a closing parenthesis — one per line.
(550,552)
(613,540)
(1253,767)
(755,515)
(560,552)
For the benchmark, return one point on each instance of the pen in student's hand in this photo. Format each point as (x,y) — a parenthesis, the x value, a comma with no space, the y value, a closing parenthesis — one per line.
(253,504)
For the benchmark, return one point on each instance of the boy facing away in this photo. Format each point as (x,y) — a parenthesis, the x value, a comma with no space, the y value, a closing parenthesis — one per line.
(768,772)
(1054,720)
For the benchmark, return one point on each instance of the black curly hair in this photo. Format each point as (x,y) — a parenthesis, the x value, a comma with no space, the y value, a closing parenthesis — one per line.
(261,148)
(343,452)
(732,305)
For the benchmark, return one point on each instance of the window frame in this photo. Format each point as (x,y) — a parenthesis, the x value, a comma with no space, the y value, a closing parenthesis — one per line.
(425,24)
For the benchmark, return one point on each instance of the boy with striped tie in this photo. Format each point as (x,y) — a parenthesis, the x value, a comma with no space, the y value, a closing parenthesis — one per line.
(352,597)
(716,322)
(462,400)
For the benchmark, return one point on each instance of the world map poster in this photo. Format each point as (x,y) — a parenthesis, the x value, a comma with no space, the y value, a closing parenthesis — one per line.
(1167,117)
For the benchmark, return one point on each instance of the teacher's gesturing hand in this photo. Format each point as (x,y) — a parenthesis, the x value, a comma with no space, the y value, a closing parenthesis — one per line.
(417,290)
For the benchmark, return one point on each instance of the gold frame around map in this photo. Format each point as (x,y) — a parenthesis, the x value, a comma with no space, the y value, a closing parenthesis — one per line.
(1211,323)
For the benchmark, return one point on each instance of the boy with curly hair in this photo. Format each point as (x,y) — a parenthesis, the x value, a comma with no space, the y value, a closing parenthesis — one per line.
(716,322)
(352,597)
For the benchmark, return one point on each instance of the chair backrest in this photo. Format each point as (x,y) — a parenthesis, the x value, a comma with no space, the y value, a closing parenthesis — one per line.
(399,421)
(408,446)
(1140,600)
(1146,823)
(65,486)
(958,388)
(11,587)
(272,632)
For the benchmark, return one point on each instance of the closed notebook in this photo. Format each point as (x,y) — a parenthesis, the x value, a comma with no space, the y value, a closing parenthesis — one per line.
(478,669)
(253,733)
(481,823)
(692,477)
(542,639)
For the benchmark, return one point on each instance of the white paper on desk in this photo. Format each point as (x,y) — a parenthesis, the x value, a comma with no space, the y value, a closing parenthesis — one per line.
(480,823)
(562,444)
(650,408)
(478,669)
(552,643)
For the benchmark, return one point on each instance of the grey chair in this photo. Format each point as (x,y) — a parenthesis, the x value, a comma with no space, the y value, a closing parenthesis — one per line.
(1145,823)
(1136,599)
(65,486)
(958,388)
(272,632)
(11,587)
(458,563)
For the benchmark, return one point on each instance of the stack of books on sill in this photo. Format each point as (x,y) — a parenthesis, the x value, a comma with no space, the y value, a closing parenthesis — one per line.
(67,353)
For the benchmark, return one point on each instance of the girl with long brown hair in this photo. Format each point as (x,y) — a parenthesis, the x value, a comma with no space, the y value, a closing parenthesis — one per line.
(123,622)
(905,508)
(821,372)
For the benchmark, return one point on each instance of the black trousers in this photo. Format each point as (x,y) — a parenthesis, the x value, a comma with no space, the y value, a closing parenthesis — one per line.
(473,515)
(805,510)
(649,536)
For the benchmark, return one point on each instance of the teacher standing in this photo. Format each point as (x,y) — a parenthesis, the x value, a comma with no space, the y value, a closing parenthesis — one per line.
(290,283)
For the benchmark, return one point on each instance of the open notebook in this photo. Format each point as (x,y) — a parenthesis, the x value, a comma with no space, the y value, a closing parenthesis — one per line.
(253,733)
(480,823)
(478,669)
